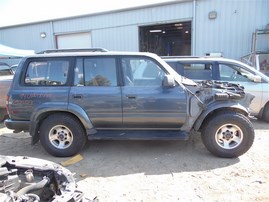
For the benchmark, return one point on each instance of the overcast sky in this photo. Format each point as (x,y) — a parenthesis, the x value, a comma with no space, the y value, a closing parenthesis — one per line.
(13,12)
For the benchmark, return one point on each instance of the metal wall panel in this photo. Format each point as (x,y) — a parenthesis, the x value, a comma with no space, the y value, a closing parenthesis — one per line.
(28,36)
(119,30)
(117,39)
(231,32)
(152,15)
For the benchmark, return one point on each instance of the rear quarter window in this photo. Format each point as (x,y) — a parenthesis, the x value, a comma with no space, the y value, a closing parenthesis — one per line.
(47,73)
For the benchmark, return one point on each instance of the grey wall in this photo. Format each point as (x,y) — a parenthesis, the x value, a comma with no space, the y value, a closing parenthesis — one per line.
(230,33)
(27,36)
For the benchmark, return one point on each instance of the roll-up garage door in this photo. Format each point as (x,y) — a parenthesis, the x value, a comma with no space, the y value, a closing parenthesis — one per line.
(74,40)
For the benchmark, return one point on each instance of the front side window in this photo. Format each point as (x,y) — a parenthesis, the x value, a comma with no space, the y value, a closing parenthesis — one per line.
(49,72)
(229,72)
(141,72)
(96,71)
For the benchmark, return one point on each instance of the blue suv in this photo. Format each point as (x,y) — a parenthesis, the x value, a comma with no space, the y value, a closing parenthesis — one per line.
(65,97)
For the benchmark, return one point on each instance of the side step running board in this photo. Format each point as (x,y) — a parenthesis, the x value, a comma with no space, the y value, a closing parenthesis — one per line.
(139,135)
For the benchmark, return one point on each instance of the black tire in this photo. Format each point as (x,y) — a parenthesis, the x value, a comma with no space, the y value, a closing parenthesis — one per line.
(62,135)
(228,134)
(265,114)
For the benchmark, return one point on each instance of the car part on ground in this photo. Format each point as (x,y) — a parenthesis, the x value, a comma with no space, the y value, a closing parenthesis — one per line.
(26,179)
(65,98)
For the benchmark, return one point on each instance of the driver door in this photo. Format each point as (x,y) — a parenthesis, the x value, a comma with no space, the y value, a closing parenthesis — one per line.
(146,103)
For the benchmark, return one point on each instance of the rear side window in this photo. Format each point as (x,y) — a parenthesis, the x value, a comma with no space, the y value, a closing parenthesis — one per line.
(199,71)
(96,71)
(48,73)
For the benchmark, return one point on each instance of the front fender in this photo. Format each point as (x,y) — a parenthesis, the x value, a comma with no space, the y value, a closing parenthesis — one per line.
(218,106)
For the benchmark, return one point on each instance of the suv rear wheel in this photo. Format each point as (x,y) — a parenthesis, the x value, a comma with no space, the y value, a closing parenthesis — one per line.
(62,135)
(228,135)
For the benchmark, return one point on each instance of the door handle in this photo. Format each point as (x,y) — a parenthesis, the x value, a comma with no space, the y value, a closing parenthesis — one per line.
(77,96)
(131,96)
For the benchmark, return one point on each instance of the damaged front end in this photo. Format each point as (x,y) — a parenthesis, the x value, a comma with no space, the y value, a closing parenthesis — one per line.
(25,179)
(223,91)
(207,96)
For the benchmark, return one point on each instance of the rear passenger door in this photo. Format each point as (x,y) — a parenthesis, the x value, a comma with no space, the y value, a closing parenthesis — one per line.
(97,92)
(147,104)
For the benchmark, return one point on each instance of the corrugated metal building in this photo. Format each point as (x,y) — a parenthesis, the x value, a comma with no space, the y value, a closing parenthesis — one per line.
(181,27)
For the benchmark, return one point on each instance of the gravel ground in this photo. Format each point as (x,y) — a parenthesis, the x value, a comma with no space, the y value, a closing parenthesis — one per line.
(160,170)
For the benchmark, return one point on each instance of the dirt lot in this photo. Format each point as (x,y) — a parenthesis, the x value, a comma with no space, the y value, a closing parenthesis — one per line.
(160,170)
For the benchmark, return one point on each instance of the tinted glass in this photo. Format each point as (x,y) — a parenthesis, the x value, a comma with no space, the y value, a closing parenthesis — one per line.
(234,73)
(47,73)
(95,71)
(199,71)
(141,72)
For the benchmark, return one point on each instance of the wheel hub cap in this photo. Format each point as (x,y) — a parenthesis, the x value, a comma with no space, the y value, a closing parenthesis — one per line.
(61,137)
(229,136)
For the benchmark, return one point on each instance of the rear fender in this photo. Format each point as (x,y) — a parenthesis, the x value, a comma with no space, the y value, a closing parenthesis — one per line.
(46,109)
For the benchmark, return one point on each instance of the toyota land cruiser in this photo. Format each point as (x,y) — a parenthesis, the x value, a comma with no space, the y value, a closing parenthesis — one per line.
(65,97)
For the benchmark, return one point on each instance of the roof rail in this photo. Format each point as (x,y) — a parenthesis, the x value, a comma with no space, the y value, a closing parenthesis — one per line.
(175,57)
(73,50)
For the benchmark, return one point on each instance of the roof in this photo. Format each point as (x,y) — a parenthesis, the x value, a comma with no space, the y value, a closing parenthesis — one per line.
(198,58)
(81,52)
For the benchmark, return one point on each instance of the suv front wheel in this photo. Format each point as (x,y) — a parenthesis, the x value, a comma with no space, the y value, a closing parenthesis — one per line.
(62,135)
(228,134)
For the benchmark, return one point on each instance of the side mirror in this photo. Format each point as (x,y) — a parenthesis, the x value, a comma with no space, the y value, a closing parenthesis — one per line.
(257,79)
(254,78)
(168,81)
